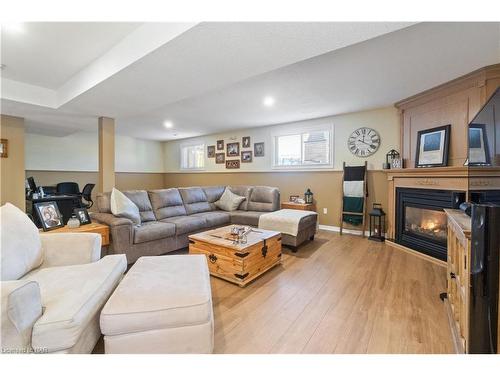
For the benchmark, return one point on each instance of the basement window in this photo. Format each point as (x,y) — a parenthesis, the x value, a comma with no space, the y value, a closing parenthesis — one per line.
(193,156)
(306,148)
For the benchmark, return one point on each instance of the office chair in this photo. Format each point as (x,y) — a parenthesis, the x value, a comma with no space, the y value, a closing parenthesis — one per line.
(70,188)
(87,195)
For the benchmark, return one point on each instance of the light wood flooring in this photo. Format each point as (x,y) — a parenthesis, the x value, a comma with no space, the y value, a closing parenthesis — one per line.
(338,294)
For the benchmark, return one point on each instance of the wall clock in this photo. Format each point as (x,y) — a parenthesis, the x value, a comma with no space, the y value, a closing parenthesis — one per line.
(364,142)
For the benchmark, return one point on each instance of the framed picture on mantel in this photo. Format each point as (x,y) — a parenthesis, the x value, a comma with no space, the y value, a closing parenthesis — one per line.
(433,147)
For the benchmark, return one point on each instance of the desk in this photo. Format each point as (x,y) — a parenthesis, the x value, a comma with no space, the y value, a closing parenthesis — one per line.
(65,203)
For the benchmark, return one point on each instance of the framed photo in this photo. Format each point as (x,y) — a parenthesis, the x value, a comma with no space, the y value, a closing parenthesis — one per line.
(211,151)
(245,143)
(82,215)
(220,158)
(479,153)
(233,149)
(220,145)
(246,156)
(433,147)
(232,164)
(258,149)
(49,215)
(4,143)
(396,163)
(293,198)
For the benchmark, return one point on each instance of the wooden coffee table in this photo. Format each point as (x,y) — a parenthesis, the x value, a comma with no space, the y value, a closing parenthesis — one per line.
(237,263)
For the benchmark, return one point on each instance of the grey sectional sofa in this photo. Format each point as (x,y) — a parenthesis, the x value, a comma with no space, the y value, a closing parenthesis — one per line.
(169,216)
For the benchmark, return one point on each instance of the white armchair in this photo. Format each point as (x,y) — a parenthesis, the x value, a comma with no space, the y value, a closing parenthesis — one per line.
(53,287)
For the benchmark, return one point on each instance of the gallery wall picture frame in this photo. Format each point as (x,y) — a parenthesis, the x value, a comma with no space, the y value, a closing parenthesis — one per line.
(211,151)
(433,147)
(479,152)
(232,164)
(246,156)
(220,145)
(258,149)
(49,215)
(220,158)
(233,149)
(245,142)
(4,148)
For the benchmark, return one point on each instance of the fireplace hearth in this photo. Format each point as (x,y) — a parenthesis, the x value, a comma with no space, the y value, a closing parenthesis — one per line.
(420,219)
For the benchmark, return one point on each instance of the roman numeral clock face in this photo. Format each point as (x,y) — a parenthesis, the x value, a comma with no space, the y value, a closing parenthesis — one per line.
(363,142)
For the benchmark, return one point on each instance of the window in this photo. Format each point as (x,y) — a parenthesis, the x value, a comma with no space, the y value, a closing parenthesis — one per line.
(193,156)
(307,149)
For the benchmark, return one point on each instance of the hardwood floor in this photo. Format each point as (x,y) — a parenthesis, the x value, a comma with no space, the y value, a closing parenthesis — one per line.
(338,294)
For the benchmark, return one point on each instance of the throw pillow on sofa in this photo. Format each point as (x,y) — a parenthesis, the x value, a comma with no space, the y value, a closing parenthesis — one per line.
(229,201)
(122,206)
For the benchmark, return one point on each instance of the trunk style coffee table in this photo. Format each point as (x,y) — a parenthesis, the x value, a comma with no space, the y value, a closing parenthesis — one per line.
(236,262)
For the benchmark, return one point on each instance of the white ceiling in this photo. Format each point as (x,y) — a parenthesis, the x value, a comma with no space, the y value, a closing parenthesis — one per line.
(214,76)
(47,54)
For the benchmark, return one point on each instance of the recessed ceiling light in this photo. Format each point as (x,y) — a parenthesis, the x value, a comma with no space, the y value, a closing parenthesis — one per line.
(168,124)
(13,27)
(268,101)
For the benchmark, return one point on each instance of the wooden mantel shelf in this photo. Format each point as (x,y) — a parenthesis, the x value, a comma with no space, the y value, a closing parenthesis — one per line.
(460,172)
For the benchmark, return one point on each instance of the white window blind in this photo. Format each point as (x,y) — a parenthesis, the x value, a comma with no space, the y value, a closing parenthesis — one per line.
(193,156)
(310,148)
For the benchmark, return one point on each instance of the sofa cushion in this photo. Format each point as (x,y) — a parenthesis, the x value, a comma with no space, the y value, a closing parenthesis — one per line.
(264,198)
(20,243)
(160,292)
(214,218)
(166,203)
(187,224)
(213,194)
(153,230)
(141,200)
(195,200)
(243,191)
(103,202)
(122,206)
(245,217)
(229,201)
(72,296)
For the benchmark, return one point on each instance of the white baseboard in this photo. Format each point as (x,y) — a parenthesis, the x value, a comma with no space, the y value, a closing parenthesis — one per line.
(332,228)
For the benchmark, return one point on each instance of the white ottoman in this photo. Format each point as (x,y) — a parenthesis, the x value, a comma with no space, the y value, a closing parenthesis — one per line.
(162,305)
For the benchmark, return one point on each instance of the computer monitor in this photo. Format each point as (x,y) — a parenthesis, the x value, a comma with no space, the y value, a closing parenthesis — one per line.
(31,184)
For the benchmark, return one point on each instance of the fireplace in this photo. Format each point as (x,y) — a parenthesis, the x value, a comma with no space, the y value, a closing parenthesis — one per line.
(420,220)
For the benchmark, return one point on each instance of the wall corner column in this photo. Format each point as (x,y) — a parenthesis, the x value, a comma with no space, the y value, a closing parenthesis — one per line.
(12,167)
(106,154)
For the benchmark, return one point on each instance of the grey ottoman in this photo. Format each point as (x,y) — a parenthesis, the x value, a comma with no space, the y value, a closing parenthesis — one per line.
(296,226)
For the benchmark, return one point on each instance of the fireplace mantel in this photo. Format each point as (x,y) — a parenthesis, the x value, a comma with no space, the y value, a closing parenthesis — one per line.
(440,178)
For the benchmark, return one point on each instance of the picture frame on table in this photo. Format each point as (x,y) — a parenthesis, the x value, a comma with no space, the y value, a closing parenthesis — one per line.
(82,215)
(49,215)
(433,147)
(233,149)
(293,198)
(479,152)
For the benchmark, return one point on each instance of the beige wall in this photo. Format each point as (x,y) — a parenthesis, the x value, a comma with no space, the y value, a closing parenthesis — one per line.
(12,167)
(384,120)
(325,185)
